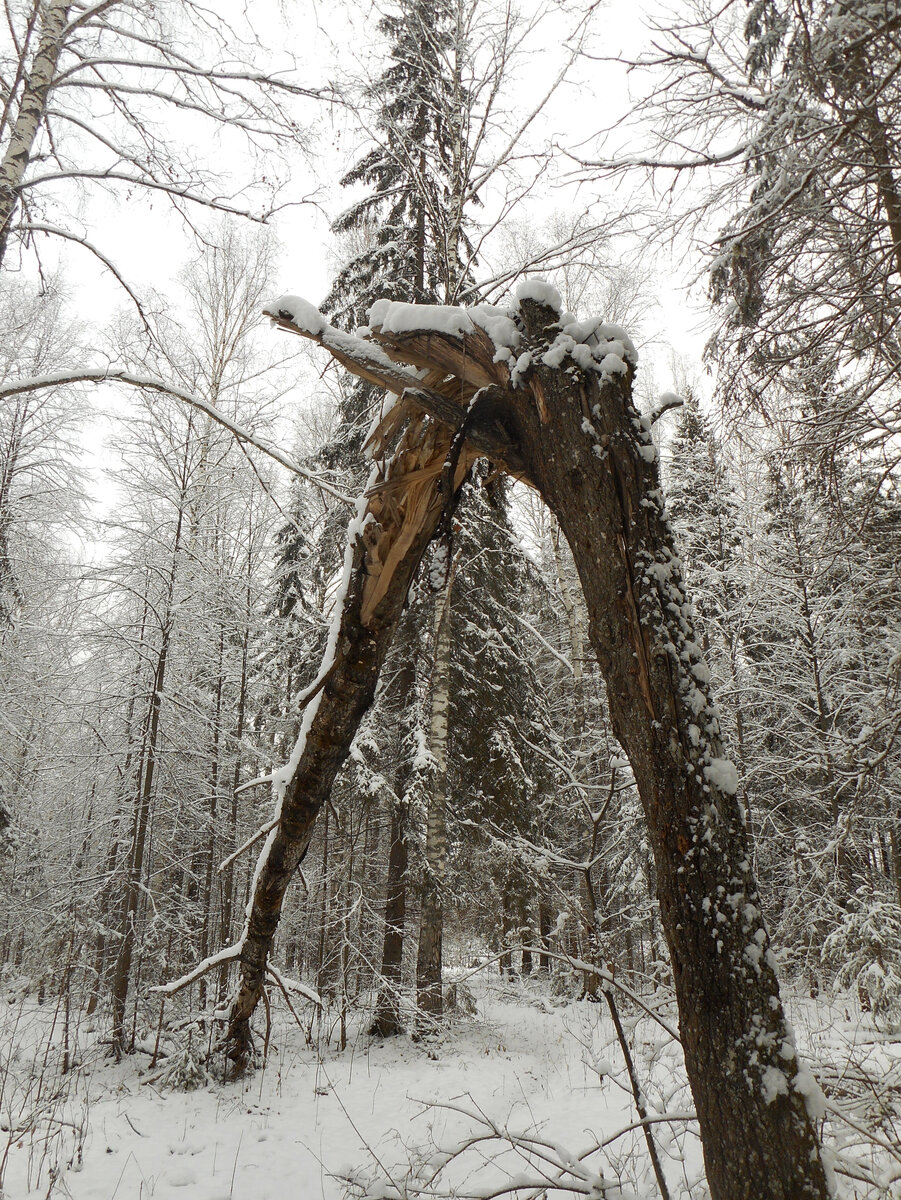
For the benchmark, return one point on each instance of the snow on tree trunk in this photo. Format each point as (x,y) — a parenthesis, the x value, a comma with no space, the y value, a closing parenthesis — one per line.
(549,398)
(597,472)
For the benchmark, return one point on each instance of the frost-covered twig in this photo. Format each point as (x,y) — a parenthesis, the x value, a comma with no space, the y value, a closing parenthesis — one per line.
(31,227)
(839,1114)
(284,986)
(294,985)
(252,840)
(666,403)
(434,1174)
(637,1093)
(541,638)
(607,978)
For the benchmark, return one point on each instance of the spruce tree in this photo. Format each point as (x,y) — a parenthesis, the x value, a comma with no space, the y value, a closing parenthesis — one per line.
(420,101)
(503,745)
(709,526)
(820,646)
(807,266)
(704,516)
(417,248)
(296,628)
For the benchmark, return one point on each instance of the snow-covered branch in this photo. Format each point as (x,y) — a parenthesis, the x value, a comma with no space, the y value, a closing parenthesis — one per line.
(229,954)
(151,383)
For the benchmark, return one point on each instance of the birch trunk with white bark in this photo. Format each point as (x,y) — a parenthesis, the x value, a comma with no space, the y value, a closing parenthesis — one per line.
(429,995)
(31,113)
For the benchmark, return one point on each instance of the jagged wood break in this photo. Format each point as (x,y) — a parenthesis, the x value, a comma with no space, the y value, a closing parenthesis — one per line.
(548,400)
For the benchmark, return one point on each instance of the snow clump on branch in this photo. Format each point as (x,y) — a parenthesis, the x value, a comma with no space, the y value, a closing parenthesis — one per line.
(541,292)
(305,316)
(591,345)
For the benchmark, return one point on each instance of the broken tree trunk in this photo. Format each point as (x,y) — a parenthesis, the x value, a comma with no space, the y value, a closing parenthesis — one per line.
(388,537)
(549,399)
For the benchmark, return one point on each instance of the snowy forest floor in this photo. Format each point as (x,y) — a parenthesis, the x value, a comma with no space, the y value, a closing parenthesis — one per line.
(383,1119)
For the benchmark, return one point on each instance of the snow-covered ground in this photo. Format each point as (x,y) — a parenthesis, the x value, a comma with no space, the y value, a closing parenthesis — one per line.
(329,1123)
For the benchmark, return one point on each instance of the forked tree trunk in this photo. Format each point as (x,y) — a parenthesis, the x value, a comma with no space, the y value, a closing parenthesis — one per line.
(575,436)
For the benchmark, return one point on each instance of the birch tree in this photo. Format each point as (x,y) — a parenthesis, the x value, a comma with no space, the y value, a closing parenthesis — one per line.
(41,499)
(90,89)
(194,529)
(429,995)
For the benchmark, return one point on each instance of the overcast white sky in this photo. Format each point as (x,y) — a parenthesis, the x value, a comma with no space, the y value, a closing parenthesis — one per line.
(145,238)
(149,244)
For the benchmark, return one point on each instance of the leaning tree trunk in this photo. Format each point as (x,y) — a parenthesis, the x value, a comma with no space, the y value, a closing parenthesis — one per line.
(389,539)
(752,1095)
(556,411)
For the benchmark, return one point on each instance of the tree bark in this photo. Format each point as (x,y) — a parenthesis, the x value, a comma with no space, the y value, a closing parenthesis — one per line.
(150,749)
(527,932)
(386,1021)
(601,481)
(132,898)
(545,926)
(228,882)
(575,436)
(505,959)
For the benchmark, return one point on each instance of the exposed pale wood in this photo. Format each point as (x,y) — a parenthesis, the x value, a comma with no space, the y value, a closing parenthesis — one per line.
(469,359)
(367,362)
(400,503)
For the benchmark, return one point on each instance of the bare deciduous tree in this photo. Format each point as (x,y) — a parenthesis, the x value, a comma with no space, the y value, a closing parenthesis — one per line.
(771,127)
(87,89)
